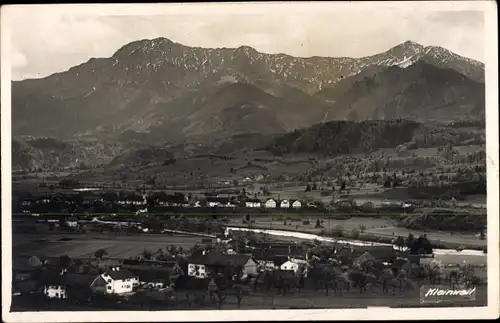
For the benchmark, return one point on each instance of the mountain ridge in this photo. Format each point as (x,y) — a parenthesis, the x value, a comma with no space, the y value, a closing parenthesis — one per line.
(165,88)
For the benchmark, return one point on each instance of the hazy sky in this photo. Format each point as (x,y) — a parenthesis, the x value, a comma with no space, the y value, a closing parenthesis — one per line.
(45,40)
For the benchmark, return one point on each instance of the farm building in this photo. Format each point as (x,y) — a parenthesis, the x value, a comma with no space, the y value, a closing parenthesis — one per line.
(55,291)
(285,204)
(253,203)
(296,204)
(149,271)
(290,266)
(202,266)
(377,253)
(219,201)
(268,260)
(116,281)
(270,204)
(286,249)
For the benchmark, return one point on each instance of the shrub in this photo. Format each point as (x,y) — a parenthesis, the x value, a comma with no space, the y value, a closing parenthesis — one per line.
(362,228)
(337,231)
(305,222)
(355,233)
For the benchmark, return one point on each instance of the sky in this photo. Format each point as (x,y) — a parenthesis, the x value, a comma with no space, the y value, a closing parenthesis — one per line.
(46,41)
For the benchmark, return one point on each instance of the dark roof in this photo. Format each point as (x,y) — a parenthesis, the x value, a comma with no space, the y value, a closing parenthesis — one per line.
(378,252)
(279,260)
(120,274)
(219,259)
(77,280)
(263,254)
(266,253)
(398,263)
(150,263)
(223,200)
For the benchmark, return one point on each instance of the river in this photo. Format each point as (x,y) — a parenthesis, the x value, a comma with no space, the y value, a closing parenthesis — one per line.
(310,236)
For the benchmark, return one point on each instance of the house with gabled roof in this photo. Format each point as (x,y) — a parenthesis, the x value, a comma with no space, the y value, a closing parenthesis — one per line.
(204,265)
(270,204)
(268,260)
(285,204)
(253,203)
(296,204)
(116,280)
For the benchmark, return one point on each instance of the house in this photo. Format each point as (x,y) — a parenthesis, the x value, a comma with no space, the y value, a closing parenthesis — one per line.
(149,271)
(115,280)
(55,291)
(290,265)
(253,203)
(349,255)
(285,204)
(270,204)
(296,204)
(219,202)
(291,250)
(204,265)
(78,286)
(363,259)
(383,253)
(267,260)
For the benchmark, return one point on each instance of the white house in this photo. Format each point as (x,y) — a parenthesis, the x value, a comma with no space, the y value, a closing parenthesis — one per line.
(253,203)
(56,291)
(116,281)
(197,270)
(72,224)
(290,265)
(156,284)
(285,204)
(296,204)
(220,202)
(270,204)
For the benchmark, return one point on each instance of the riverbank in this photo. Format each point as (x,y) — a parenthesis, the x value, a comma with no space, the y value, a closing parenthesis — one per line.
(379,232)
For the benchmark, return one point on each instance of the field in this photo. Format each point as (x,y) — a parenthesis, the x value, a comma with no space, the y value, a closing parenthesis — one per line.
(304,299)
(83,246)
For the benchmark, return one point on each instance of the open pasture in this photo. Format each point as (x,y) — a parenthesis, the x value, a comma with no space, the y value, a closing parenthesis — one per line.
(85,246)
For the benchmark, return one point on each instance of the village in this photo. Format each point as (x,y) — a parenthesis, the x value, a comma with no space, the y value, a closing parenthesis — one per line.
(226,268)
(97,201)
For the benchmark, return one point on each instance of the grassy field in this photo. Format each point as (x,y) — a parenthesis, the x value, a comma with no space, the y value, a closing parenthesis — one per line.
(83,246)
(305,299)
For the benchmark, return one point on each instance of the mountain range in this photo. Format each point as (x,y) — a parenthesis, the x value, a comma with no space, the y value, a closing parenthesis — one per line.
(160,91)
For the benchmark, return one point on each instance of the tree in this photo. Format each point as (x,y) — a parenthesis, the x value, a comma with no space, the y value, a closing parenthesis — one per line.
(247,217)
(387,183)
(239,292)
(64,261)
(399,242)
(308,188)
(482,235)
(314,187)
(342,186)
(147,253)
(421,246)
(410,240)
(100,253)
(396,182)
